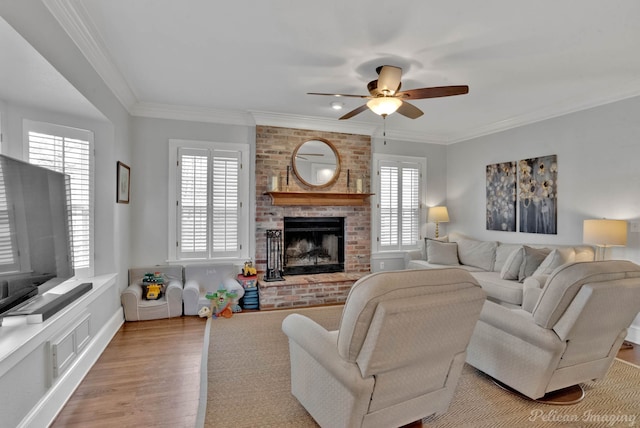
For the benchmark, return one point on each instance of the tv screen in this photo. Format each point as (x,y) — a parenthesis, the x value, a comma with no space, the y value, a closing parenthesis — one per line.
(35,239)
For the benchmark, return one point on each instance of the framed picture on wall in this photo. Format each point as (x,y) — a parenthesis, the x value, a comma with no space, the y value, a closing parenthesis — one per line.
(123,183)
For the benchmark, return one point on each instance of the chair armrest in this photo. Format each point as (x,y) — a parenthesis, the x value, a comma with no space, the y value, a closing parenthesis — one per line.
(531,290)
(133,291)
(323,346)
(173,290)
(519,323)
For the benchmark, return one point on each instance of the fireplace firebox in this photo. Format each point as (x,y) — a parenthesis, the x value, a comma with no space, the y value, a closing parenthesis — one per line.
(313,245)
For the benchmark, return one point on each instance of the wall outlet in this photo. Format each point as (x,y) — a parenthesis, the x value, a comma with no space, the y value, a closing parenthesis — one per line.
(635,226)
(381,265)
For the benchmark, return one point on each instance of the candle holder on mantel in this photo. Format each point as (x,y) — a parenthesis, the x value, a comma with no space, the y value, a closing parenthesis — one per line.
(274,256)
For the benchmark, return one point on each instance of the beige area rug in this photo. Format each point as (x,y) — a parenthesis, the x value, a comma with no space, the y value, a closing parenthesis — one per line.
(248,385)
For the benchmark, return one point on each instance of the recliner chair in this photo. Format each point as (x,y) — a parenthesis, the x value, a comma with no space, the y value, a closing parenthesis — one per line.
(397,355)
(570,335)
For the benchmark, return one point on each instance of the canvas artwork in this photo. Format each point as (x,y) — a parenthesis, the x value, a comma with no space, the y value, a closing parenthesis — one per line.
(501,196)
(537,194)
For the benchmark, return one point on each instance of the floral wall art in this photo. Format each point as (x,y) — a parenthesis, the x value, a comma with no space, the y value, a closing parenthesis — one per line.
(537,195)
(530,186)
(501,196)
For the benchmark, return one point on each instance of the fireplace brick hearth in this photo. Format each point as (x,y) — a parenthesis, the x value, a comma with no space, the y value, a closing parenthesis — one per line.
(274,148)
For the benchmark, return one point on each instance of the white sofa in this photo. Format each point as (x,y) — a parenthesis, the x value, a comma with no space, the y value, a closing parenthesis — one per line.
(502,269)
(201,279)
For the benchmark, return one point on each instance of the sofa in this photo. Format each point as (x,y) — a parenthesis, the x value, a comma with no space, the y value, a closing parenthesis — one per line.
(507,272)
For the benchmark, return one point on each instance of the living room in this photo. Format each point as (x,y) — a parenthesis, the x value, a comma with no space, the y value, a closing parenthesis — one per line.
(595,143)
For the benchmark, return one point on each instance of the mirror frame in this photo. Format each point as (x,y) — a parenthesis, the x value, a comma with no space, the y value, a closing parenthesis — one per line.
(336,173)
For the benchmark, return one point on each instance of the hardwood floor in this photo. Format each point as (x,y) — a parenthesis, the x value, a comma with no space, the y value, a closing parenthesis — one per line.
(149,377)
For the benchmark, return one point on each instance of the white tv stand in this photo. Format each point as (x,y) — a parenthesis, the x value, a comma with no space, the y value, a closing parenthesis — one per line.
(42,364)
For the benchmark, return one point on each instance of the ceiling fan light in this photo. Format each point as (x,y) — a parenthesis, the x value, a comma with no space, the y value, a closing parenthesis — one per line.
(336,105)
(384,105)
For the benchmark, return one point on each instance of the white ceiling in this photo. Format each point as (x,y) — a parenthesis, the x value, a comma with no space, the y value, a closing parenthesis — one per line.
(229,61)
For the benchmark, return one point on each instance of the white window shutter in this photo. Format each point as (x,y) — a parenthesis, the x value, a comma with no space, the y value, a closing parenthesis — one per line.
(71,156)
(193,206)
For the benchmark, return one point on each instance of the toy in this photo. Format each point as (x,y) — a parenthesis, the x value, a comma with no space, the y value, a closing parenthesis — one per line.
(248,269)
(221,305)
(204,312)
(152,285)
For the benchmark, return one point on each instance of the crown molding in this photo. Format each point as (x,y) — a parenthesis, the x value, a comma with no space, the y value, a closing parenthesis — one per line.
(570,106)
(77,23)
(193,114)
(312,123)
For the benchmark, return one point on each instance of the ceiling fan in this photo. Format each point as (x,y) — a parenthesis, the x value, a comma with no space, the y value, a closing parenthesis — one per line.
(386,97)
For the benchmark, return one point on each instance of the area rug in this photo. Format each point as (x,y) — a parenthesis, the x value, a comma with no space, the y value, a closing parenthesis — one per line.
(248,385)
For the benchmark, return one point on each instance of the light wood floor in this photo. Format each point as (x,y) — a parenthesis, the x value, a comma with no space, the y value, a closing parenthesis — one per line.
(149,377)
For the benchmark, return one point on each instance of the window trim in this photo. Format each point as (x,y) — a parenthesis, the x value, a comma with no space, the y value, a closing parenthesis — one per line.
(243,197)
(379,158)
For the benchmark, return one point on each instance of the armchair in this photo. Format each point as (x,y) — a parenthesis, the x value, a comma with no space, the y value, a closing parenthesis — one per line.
(397,355)
(169,305)
(203,278)
(571,334)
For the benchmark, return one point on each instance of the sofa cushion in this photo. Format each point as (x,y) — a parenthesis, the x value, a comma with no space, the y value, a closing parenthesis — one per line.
(503,251)
(442,253)
(533,257)
(503,291)
(480,254)
(556,258)
(511,268)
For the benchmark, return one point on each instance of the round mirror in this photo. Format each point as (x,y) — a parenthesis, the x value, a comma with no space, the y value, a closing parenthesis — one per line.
(316,163)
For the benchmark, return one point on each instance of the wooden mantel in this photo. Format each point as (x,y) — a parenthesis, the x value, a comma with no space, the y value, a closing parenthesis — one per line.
(318,198)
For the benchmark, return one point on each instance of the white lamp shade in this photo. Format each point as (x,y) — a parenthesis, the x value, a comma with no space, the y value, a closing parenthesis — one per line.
(438,215)
(605,233)
(384,105)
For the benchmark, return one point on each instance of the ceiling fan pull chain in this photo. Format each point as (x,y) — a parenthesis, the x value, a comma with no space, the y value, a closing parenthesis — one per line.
(384,130)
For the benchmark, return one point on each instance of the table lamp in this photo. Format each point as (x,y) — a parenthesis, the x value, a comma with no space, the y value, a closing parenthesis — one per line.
(438,215)
(604,233)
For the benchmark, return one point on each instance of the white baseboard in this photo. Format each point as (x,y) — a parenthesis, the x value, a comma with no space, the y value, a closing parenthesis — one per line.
(633,334)
(44,413)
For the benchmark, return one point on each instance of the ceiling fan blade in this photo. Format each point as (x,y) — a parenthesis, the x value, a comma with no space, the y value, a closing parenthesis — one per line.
(409,110)
(354,112)
(339,95)
(435,92)
(389,79)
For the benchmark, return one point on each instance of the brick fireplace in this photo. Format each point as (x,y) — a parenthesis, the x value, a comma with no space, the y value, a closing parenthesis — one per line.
(274,148)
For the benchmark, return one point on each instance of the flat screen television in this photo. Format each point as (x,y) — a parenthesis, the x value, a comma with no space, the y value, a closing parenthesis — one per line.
(35,239)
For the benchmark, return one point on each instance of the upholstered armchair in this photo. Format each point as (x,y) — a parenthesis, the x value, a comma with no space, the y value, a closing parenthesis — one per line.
(168,306)
(398,353)
(571,334)
(201,279)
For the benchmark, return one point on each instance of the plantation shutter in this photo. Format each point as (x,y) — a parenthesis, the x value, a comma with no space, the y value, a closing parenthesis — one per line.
(389,205)
(71,156)
(208,211)
(399,204)
(193,207)
(224,233)
(410,205)
(8,245)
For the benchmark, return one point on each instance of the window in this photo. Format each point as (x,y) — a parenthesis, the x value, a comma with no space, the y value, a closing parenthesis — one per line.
(210,205)
(8,245)
(400,198)
(69,150)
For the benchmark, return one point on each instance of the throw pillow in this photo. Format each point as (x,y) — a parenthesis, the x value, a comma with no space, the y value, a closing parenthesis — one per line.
(511,268)
(442,253)
(533,257)
(480,254)
(440,239)
(556,258)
